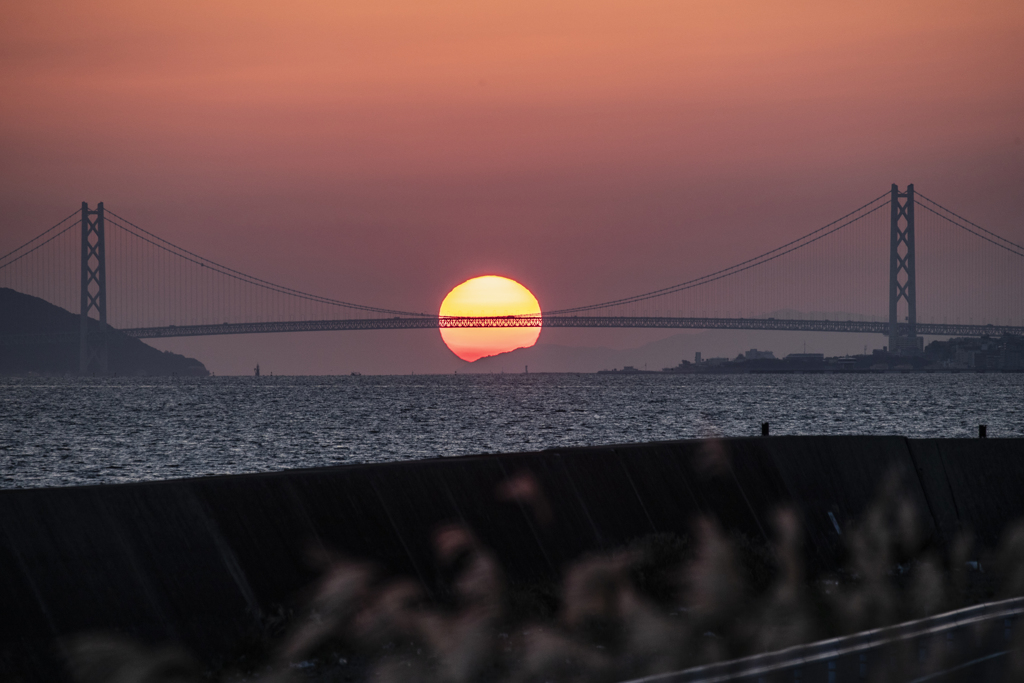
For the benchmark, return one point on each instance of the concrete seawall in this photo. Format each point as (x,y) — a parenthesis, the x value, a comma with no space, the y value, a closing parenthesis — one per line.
(204,561)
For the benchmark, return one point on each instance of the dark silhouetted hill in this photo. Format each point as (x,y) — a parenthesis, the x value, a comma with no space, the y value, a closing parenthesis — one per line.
(23,314)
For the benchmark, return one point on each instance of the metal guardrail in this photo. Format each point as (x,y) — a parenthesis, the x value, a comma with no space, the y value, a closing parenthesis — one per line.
(969,644)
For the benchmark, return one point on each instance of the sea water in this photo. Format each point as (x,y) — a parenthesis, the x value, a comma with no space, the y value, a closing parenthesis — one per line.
(66,432)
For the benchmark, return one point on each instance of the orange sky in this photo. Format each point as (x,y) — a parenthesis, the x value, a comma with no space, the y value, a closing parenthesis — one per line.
(383,152)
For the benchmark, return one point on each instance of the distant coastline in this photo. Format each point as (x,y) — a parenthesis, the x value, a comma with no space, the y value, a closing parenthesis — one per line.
(796,371)
(974,355)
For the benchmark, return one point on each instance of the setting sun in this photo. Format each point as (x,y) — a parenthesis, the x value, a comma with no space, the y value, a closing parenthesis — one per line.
(489,295)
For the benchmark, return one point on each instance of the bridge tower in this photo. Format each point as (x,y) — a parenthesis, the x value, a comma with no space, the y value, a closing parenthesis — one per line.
(902,274)
(92,347)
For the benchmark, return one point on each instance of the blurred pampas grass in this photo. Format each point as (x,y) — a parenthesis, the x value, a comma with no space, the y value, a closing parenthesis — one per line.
(663,603)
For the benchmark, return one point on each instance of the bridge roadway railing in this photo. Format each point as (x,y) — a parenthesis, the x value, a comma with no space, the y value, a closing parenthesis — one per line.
(434,322)
(969,644)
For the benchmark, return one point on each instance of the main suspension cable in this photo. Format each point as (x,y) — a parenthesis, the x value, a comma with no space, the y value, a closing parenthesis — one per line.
(736,268)
(245,277)
(37,247)
(39,236)
(987,239)
(989,232)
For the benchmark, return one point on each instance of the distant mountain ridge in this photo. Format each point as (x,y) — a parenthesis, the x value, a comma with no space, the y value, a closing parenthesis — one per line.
(22,314)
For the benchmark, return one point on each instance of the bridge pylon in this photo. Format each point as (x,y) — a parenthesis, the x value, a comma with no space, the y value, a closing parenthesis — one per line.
(92,347)
(903,274)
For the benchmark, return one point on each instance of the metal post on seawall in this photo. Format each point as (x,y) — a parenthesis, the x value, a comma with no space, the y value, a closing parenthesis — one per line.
(764,429)
(982,431)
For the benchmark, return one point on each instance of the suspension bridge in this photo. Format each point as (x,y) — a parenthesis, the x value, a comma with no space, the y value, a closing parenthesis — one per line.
(864,272)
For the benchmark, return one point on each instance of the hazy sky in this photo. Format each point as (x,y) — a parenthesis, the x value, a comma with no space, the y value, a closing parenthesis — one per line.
(382,152)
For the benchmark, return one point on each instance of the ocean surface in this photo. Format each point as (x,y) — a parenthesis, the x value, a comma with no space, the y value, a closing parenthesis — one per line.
(67,432)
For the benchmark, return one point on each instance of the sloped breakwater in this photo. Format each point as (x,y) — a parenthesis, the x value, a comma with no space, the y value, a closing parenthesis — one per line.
(207,562)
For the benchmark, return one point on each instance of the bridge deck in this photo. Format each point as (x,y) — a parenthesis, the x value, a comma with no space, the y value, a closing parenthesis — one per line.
(434,322)
(406,323)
